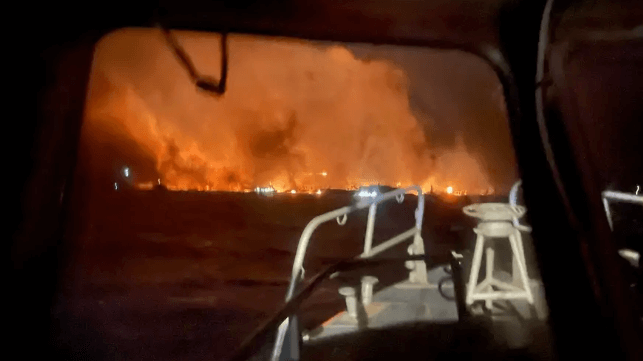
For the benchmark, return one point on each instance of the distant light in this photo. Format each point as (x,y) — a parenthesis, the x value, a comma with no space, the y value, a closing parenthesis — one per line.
(367,194)
(318,191)
(126,172)
(116,186)
(449,190)
(264,190)
(324,174)
(293,191)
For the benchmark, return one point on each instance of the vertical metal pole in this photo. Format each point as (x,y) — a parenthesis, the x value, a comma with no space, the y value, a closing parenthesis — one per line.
(489,275)
(283,328)
(419,217)
(521,267)
(279,342)
(418,274)
(475,268)
(516,280)
(515,273)
(458,285)
(606,205)
(370,227)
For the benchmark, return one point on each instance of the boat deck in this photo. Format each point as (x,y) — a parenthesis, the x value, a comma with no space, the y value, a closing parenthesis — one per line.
(404,304)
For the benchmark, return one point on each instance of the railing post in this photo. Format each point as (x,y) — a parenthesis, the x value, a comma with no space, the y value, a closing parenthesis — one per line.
(370,227)
(418,268)
(608,213)
(459,288)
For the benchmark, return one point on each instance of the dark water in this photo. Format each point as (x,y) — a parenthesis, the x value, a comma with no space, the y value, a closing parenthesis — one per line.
(188,275)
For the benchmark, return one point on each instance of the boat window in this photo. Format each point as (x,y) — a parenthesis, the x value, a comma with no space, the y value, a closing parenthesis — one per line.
(189,204)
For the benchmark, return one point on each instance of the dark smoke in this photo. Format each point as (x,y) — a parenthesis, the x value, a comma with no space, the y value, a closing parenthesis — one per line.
(193,172)
(275,143)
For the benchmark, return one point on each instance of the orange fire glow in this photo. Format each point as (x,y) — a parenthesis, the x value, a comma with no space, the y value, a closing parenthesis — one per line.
(296,116)
(144,186)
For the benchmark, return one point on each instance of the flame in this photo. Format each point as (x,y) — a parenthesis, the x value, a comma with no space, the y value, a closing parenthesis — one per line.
(296,116)
(144,186)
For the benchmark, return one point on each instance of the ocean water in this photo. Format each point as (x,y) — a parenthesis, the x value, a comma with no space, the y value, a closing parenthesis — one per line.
(188,275)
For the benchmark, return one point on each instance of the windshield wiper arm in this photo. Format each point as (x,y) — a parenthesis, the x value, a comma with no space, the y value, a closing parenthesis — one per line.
(203,82)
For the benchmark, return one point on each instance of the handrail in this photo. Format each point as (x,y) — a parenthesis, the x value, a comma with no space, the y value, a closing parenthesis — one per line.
(390,243)
(618,196)
(416,232)
(372,204)
(513,201)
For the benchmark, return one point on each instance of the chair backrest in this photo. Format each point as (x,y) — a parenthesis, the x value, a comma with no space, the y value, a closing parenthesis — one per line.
(513,194)
(513,201)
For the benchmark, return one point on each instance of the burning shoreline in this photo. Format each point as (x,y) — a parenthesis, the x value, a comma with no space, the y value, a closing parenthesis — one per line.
(297,116)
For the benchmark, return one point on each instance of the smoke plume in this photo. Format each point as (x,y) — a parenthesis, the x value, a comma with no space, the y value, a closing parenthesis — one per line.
(297,115)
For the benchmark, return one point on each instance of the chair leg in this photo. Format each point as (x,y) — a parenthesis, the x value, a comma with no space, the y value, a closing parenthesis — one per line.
(521,249)
(524,262)
(489,275)
(522,267)
(475,268)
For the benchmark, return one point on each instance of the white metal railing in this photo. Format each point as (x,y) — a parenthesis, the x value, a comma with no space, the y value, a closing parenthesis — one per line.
(418,272)
(621,197)
(369,251)
(631,256)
